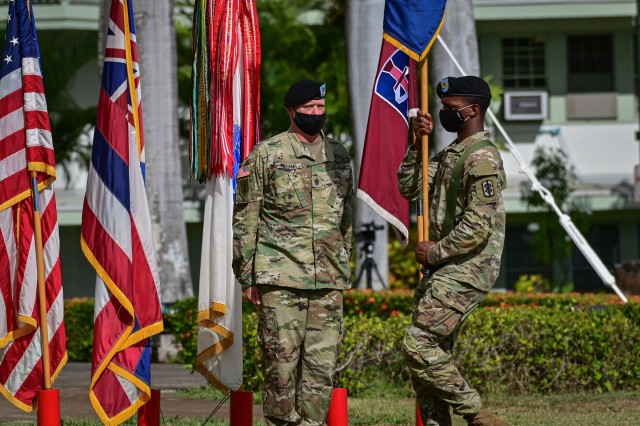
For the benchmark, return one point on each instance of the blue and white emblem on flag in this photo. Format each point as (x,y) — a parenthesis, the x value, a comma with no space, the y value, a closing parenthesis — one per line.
(392,84)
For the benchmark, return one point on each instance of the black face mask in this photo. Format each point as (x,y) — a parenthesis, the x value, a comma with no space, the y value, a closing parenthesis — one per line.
(311,124)
(451,119)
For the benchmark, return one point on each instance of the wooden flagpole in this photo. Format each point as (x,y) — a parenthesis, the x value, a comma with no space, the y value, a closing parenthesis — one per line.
(423,221)
(42,293)
(423,205)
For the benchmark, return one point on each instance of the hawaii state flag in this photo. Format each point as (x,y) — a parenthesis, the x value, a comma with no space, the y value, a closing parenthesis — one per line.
(117,234)
(26,147)
(225,115)
(410,28)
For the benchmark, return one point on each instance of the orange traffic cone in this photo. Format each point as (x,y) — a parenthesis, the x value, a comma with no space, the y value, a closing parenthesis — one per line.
(338,414)
(418,416)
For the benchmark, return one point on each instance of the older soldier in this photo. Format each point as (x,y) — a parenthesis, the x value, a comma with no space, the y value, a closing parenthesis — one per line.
(462,259)
(292,244)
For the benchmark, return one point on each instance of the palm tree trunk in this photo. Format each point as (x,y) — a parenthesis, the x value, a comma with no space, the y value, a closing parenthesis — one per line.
(155,30)
(105,7)
(364,38)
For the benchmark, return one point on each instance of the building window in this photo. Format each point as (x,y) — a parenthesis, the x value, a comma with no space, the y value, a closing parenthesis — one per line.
(590,67)
(523,62)
(604,241)
(518,256)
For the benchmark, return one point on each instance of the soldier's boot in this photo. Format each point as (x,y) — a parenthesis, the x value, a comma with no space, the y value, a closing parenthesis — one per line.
(483,417)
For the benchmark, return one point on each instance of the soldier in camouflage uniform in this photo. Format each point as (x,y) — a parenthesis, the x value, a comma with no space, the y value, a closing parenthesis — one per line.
(291,249)
(462,259)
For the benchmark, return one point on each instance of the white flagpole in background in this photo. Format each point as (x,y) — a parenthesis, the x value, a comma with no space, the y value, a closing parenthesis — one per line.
(565,220)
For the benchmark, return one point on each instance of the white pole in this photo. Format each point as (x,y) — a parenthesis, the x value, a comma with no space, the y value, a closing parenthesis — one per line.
(565,220)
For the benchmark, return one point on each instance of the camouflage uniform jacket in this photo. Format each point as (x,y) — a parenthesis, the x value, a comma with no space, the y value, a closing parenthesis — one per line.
(471,253)
(293,214)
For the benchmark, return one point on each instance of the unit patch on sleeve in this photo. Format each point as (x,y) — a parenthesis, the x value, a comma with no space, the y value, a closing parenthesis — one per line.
(487,189)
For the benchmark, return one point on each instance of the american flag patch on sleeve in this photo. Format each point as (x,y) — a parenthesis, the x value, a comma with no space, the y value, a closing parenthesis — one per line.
(244,172)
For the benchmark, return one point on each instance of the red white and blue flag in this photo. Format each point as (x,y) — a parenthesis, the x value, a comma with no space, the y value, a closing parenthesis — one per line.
(410,28)
(26,147)
(117,234)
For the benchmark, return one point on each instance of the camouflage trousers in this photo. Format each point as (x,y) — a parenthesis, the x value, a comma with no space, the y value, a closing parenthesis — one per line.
(300,333)
(440,308)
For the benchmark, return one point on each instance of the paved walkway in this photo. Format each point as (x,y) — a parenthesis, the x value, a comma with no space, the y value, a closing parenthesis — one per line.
(74,380)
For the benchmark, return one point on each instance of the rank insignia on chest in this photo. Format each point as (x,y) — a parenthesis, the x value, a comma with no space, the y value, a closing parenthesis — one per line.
(244,172)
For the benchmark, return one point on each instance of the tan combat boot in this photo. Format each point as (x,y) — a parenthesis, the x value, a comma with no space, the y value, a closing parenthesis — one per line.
(483,417)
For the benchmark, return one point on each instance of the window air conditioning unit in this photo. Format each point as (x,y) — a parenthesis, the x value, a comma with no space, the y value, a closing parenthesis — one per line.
(525,105)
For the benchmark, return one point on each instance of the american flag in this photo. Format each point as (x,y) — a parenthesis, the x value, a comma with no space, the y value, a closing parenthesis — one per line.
(25,147)
(117,235)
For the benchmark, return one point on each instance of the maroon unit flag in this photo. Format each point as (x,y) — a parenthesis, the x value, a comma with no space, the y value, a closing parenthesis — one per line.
(394,93)
(410,28)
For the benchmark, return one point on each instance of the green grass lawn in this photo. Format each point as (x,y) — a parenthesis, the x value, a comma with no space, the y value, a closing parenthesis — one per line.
(615,408)
(389,405)
(609,409)
(576,409)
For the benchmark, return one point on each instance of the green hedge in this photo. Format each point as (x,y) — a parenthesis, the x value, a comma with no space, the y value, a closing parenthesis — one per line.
(517,344)
(540,350)
(392,303)
(78,321)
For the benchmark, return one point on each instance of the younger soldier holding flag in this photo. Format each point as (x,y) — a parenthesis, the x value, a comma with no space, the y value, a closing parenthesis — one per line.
(462,258)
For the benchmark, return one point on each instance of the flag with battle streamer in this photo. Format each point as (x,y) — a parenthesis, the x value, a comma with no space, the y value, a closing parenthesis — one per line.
(225,115)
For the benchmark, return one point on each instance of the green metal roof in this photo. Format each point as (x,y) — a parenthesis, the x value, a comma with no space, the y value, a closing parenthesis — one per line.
(501,10)
(64,14)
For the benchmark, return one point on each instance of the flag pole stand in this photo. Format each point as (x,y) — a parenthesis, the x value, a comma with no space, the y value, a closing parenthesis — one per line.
(241,408)
(149,413)
(48,399)
(49,407)
(338,414)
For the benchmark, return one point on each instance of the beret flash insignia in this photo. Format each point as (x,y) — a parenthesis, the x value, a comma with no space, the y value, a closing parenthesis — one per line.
(444,85)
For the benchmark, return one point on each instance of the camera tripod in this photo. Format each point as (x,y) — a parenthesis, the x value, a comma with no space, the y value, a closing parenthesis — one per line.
(368,266)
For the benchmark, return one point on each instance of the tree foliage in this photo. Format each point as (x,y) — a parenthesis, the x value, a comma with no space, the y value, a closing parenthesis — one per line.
(69,120)
(552,247)
(299,39)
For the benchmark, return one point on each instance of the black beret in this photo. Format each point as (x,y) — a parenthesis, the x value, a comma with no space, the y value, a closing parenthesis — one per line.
(304,90)
(469,85)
